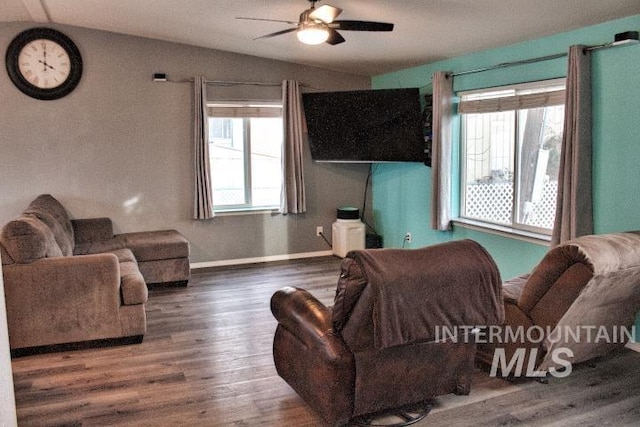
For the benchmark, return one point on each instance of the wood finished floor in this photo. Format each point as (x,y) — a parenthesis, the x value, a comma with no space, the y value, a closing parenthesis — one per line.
(206,361)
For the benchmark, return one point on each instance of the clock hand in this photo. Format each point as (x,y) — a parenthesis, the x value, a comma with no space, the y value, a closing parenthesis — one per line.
(45,64)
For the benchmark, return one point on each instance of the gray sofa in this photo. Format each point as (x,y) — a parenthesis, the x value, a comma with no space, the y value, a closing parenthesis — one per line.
(72,280)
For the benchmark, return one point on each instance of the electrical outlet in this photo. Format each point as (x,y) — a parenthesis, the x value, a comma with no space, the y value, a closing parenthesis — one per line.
(319,231)
(407,237)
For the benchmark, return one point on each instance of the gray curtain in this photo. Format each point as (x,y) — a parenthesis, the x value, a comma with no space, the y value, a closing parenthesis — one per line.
(292,199)
(203,197)
(574,210)
(441,162)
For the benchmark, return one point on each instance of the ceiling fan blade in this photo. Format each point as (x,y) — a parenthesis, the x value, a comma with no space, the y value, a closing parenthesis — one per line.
(277,33)
(361,26)
(334,37)
(267,20)
(325,13)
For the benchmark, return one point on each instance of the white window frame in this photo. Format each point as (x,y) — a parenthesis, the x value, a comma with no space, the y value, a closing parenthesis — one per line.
(471,102)
(246,111)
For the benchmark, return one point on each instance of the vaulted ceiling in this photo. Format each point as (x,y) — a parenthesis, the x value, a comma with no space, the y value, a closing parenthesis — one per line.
(425,30)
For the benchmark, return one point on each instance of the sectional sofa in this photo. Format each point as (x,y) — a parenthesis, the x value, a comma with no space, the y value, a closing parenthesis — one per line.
(72,280)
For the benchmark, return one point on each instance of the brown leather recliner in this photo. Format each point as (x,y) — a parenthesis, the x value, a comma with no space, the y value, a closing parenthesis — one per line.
(390,338)
(578,303)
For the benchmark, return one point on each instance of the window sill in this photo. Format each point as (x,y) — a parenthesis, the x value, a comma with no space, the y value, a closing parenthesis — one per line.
(504,231)
(247,211)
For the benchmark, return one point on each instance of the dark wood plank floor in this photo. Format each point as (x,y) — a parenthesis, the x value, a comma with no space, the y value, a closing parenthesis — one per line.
(206,360)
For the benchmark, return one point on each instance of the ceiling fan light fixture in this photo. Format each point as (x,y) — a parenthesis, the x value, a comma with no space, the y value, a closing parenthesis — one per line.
(312,33)
(316,26)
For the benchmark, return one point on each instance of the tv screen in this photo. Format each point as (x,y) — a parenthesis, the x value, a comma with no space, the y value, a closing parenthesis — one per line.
(382,125)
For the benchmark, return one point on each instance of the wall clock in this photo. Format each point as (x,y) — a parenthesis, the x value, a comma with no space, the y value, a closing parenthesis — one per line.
(44,63)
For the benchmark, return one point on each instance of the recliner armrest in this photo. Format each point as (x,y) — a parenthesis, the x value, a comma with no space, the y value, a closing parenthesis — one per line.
(307,319)
(89,230)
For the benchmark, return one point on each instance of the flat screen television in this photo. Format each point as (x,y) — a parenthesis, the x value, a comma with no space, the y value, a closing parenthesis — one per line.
(382,125)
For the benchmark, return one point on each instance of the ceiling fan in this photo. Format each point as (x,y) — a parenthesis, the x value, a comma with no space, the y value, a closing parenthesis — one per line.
(319,25)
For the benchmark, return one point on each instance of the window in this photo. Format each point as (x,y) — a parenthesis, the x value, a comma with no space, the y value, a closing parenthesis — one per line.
(245,149)
(511,139)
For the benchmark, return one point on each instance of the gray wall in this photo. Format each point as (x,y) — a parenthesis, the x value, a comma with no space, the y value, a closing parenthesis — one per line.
(120,146)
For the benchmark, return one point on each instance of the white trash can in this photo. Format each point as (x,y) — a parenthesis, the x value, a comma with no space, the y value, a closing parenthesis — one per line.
(348,232)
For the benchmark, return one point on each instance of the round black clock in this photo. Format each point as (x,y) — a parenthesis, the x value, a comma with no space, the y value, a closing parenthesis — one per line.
(44,63)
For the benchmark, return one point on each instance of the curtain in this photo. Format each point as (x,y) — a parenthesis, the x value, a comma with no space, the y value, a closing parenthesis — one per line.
(203,198)
(292,199)
(441,162)
(574,210)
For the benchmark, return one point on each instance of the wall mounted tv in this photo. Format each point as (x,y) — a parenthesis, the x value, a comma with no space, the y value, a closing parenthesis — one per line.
(382,125)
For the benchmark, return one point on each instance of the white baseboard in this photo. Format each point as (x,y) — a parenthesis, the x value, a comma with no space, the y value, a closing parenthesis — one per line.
(271,258)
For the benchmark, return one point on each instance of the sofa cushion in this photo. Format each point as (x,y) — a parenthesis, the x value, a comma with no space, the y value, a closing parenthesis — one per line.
(27,239)
(54,215)
(89,230)
(124,255)
(512,288)
(99,247)
(156,245)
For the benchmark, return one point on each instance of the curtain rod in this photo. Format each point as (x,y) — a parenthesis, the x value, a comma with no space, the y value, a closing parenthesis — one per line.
(533,60)
(235,83)
(227,83)
(240,83)
(511,64)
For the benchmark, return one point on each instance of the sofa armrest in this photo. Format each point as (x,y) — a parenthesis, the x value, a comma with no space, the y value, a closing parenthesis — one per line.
(308,320)
(62,299)
(89,230)
(66,280)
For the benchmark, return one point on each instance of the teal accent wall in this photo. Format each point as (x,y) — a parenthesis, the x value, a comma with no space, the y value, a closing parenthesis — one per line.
(402,192)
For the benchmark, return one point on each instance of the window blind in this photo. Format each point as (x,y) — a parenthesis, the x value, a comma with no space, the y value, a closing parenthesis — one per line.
(229,111)
(512,102)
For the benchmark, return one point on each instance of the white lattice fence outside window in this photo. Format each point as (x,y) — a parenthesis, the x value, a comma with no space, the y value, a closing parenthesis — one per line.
(544,211)
(490,201)
(494,202)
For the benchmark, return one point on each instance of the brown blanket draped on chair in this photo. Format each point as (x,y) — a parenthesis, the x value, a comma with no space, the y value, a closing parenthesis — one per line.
(405,310)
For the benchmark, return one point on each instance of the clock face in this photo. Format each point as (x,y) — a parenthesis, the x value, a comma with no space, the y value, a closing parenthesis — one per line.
(44,63)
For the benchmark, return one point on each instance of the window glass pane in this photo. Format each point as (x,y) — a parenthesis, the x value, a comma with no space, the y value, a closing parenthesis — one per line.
(245,153)
(220,131)
(227,156)
(489,141)
(511,141)
(540,139)
(266,165)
